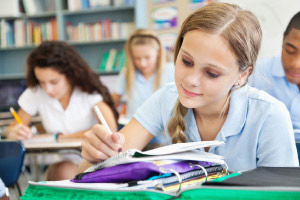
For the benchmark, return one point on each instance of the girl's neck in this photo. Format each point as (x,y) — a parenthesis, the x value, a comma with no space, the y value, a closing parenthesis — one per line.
(65,100)
(213,111)
(210,119)
(147,76)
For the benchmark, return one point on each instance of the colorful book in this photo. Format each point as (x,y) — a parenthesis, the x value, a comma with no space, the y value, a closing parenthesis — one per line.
(102,66)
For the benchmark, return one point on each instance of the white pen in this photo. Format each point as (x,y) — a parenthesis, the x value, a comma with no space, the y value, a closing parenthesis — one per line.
(101,118)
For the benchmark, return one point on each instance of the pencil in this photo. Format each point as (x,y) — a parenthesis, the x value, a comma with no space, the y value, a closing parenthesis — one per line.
(101,118)
(15,114)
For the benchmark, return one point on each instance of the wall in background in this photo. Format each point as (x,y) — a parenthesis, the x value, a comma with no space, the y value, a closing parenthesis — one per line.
(274,16)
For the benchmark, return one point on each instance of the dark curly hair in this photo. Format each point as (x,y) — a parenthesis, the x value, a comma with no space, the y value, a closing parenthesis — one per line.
(66,60)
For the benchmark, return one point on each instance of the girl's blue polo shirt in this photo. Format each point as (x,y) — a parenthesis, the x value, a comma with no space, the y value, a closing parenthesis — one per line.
(270,77)
(142,88)
(257,132)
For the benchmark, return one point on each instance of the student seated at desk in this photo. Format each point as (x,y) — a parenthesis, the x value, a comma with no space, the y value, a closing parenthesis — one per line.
(215,52)
(280,75)
(145,71)
(62,89)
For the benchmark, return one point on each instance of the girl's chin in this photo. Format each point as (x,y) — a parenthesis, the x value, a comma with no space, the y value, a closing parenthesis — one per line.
(188,103)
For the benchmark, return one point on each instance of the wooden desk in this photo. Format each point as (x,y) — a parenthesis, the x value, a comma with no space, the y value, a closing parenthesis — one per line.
(53,147)
(36,148)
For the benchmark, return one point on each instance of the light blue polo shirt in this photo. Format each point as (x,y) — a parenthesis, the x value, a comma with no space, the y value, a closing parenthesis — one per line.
(142,88)
(257,132)
(269,76)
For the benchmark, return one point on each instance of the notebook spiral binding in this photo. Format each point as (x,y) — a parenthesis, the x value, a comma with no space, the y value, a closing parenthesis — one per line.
(203,168)
(163,170)
(111,161)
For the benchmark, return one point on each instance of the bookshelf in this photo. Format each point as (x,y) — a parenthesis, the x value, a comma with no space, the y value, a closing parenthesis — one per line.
(13,57)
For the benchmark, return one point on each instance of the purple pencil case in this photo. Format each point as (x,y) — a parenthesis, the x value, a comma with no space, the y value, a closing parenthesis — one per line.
(137,171)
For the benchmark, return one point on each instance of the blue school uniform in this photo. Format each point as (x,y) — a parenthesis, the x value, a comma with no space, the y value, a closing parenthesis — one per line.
(269,76)
(252,133)
(142,88)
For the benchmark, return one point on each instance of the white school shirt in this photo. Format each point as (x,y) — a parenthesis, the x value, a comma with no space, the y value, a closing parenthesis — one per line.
(77,117)
(142,88)
(270,77)
(2,188)
(257,131)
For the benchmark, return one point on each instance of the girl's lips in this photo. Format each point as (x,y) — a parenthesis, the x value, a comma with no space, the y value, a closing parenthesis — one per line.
(189,93)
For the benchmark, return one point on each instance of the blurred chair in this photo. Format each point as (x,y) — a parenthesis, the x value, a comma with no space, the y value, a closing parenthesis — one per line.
(11,162)
(298,148)
(297,138)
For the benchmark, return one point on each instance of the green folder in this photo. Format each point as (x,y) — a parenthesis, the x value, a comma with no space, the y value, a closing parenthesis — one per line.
(35,192)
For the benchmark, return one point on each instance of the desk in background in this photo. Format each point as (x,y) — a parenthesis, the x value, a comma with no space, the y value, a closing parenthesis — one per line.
(72,146)
(38,148)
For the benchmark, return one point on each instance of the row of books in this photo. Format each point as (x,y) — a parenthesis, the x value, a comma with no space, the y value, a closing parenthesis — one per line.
(38,6)
(22,32)
(101,30)
(85,4)
(113,60)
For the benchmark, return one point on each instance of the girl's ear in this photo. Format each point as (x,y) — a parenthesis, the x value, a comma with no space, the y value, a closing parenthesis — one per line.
(244,76)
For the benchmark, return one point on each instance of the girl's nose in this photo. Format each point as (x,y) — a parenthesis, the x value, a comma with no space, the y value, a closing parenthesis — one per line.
(193,78)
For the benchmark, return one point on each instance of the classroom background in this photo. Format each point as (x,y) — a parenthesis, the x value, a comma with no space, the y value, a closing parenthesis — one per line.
(98,29)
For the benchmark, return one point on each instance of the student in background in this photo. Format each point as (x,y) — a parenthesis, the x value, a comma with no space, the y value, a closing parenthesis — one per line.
(215,52)
(280,75)
(145,71)
(62,89)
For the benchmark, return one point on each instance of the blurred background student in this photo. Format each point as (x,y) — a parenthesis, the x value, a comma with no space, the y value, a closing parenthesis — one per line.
(145,71)
(280,75)
(62,89)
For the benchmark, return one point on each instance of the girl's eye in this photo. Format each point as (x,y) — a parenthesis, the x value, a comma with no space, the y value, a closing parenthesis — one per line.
(187,63)
(212,75)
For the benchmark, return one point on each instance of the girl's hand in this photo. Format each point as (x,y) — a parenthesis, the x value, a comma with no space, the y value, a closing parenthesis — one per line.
(98,144)
(20,132)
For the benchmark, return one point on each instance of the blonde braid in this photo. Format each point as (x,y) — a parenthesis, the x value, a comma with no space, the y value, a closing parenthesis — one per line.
(177,124)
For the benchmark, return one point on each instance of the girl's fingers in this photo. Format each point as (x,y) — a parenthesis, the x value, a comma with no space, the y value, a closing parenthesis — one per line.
(20,137)
(118,138)
(91,154)
(98,144)
(102,133)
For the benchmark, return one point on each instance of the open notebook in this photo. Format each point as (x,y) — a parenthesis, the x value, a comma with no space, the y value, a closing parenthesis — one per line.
(179,151)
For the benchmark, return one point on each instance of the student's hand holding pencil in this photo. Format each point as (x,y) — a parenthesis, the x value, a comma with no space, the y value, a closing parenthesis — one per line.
(100,144)
(20,132)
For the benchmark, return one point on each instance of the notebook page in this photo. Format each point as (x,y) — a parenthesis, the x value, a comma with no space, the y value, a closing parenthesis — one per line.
(181,147)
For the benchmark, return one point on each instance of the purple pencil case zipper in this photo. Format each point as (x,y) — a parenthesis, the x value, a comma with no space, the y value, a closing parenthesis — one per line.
(135,171)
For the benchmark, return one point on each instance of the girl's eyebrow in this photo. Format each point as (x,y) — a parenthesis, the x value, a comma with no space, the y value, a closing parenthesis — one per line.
(186,52)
